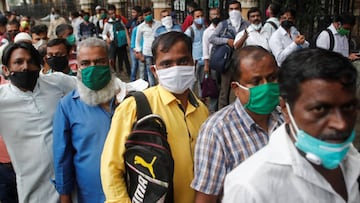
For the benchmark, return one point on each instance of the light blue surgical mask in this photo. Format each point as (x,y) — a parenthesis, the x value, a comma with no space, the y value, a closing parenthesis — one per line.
(199,21)
(318,152)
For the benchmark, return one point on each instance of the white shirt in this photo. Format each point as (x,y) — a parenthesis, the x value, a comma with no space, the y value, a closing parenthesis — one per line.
(341,43)
(282,44)
(108,31)
(75,23)
(26,127)
(278,173)
(207,46)
(148,34)
(270,28)
(254,38)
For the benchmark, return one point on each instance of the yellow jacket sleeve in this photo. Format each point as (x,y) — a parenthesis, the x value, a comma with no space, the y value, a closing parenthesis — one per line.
(112,161)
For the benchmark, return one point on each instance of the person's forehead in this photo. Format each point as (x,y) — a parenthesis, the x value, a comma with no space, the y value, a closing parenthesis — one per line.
(56,48)
(325,91)
(256,66)
(86,52)
(255,13)
(20,53)
(197,13)
(180,48)
(235,5)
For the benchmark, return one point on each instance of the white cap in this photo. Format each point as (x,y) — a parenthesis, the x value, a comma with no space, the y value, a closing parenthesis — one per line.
(97,7)
(22,36)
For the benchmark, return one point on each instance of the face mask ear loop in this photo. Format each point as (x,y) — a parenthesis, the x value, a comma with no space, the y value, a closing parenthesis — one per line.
(293,127)
(238,84)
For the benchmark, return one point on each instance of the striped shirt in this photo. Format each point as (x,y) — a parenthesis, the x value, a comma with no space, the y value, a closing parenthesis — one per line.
(226,139)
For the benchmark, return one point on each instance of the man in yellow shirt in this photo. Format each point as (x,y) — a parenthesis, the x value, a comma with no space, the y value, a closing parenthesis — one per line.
(181,111)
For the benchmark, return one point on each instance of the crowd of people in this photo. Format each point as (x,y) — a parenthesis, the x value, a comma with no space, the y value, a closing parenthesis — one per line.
(285,137)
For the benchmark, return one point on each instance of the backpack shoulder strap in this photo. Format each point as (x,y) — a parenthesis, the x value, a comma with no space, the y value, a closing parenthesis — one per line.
(273,24)
(142,104)
(332,40)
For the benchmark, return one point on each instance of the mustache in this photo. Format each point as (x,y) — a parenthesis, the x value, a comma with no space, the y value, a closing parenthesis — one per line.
(337,135)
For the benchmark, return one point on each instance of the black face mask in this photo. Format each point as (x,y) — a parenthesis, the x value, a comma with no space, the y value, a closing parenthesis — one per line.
(216,21)
(24,80)
(58,63)
(287,24)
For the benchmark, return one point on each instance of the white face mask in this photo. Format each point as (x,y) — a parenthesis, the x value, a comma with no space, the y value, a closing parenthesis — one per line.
(256,27)
(235,17)
(39,43)
(176,79)
(167,22)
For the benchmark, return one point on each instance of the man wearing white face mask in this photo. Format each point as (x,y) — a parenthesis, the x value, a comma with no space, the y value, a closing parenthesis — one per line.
(225,33)
(310,158)
(253,35)
(39,35)
(181,110)
(167,24)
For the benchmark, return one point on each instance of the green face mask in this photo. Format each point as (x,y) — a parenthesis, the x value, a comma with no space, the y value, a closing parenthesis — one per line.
(148,18)
(96,77)
(263,98)
(343,31)
(86,18)
(71,39)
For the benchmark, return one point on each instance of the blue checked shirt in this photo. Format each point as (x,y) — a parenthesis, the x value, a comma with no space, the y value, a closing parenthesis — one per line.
(225,140)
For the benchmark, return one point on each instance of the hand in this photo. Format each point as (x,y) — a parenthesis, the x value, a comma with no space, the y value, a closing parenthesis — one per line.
(300,39)
(354,56)
(230,42)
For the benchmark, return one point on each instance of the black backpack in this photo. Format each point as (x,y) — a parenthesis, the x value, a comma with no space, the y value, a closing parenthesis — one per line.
(148,160)
(315,37)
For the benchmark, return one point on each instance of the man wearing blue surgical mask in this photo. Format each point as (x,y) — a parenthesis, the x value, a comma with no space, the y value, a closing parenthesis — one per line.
(181,110)
(311,157)
(196,32)
(237,131)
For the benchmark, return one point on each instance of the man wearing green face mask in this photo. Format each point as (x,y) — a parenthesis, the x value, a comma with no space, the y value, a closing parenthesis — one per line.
(310,158)
(81,124)
(238,130)
(340,29)
(87,28)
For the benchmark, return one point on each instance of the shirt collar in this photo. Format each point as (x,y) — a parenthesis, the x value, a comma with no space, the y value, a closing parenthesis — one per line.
(167,97)
(275,118)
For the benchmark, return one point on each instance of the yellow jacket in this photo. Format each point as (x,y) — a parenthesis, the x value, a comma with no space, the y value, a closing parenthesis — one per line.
(182,133)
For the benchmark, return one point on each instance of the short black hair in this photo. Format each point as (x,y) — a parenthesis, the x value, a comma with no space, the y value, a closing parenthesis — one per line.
(193,4)
(38,29)
(137,9)
(165,41)
(307,64)
(60,29)
(111,7)
(195,10)
(252,51)
(290,10)
(147,9)
(14,22)
(253,10)
(275,8)
(3,20)
(58,41)
(21,45)
(233,2)
(345,18)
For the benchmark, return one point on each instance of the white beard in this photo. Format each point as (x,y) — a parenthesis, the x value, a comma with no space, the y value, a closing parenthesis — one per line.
(92,97)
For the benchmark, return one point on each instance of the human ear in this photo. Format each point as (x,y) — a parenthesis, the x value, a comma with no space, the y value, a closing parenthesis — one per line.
(284,110)
(5,71)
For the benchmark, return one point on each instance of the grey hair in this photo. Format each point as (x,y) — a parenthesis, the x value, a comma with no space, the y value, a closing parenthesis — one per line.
(92,42)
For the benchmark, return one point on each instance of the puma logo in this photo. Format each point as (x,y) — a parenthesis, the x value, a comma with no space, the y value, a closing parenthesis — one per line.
(142,162)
